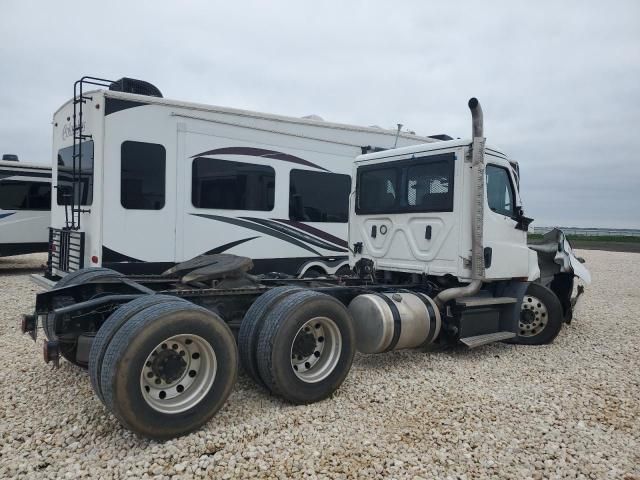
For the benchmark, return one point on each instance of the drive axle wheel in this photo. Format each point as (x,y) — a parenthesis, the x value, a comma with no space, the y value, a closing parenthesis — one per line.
(169,369)
(252,326)
(178,373)
(109,328)
(540,316)
(306,347)
(316,349)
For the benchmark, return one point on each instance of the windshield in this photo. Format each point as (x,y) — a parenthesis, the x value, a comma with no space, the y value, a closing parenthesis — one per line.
(84,175)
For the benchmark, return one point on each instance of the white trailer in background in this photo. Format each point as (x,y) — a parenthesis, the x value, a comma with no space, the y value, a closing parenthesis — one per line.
(160,181)
(25,207)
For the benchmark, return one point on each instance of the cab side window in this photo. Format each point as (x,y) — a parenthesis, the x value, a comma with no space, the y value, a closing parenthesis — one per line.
(500,194)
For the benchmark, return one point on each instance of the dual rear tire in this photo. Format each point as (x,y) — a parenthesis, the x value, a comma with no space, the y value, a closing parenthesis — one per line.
(297,343)
(163,366)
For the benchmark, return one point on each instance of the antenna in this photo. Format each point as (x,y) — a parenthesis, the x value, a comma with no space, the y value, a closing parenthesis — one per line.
(397,135)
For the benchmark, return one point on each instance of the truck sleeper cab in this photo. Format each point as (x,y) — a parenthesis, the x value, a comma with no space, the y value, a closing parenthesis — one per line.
(163,351)
(411,211)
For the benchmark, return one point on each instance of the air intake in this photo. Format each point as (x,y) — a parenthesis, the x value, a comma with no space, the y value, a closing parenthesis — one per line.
(10,157)
(139,87)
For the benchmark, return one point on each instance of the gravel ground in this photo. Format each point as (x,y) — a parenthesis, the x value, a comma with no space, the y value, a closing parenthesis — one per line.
(567,410)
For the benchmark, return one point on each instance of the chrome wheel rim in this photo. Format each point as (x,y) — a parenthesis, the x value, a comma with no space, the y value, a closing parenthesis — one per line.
(533,316)
(315,350)
(178,373)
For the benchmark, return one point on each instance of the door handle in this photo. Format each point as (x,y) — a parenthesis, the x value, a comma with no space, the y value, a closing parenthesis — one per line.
(374,231)
(427,232)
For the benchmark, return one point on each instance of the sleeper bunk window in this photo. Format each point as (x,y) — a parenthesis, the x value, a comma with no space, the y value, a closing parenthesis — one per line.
(142,175)
(227,185)
(423,184)
(378,190)
(319,196)
(428,187)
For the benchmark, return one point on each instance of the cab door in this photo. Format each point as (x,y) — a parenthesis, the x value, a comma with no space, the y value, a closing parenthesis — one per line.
(506,251)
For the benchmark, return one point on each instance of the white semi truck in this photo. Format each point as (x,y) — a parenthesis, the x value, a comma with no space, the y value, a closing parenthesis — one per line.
(438,250)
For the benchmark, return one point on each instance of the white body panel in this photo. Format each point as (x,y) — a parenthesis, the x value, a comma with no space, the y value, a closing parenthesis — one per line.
(436,242)
(180,231)
(510,252)
(24,207)
(404,246)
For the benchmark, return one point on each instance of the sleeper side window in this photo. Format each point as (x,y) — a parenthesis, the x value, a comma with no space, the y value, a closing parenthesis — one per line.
(319,196)
(227,185)
(423,184)
(499,190)
(428,186)
(377,190)
(142,175)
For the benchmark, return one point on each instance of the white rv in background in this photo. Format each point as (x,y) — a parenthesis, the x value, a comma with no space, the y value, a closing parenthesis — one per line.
(25,207)
(160,181)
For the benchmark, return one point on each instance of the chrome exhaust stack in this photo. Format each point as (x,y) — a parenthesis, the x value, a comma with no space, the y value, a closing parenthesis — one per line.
(477,120)
(477,216)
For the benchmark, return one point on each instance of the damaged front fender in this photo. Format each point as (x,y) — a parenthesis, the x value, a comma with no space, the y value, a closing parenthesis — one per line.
(554,264)
(555,255)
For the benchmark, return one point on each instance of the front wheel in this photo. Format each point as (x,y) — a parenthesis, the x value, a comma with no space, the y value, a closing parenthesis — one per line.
(541,316)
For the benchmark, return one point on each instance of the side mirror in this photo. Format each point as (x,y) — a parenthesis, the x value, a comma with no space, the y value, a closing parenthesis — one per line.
(522,221)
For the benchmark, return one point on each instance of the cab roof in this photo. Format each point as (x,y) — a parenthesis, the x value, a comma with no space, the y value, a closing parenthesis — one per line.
(424,148)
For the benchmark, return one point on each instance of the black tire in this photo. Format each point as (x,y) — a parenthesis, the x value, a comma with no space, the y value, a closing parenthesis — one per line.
(539,304)
(86,274)
(111,327)
(132,345)
(276,340)
(252,325)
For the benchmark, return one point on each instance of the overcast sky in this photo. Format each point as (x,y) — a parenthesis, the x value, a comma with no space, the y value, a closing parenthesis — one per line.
(559,81)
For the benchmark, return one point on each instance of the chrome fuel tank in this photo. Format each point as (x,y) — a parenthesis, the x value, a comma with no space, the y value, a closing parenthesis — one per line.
(393,321)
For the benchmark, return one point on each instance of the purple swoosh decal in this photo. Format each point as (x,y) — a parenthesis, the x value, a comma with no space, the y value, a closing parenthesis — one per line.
(4,215)
(260,152)
(259,228)
(295,233)
(314,231)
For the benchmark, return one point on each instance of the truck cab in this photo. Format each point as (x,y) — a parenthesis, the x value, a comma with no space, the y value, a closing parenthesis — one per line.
(411,211)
